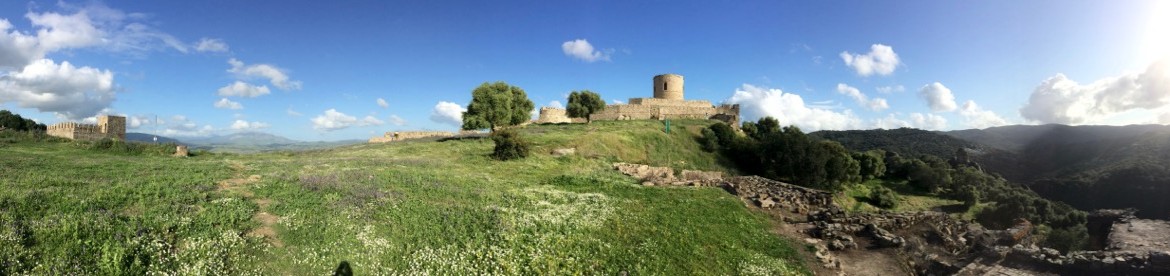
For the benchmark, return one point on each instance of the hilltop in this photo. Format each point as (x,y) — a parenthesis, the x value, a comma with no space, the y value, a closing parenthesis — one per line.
(438,207)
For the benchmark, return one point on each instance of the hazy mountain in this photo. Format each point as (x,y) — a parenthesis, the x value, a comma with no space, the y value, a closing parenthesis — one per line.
(1089,167)
(149,138)
(244,142)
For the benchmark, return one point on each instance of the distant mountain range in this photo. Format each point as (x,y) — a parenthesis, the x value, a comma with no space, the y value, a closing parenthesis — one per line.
(242,142)
(1090,167)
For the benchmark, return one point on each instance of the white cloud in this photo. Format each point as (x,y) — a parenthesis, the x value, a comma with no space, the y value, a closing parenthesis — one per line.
(1062,100)
(292,112)
(555,104)
(69,91)
(245,125)
(890,122)
(938,97)
(181,126)
(370,120)
(448,113)
(227,104)
(275,75)
(891,89)
(211,45)
(789,109)
(242,89)
(927,121)
(397,121)
(880,60)
(618,102)
(978,118)
(876,104)
(17,49)
(581,49)
(383,103)
(333,120)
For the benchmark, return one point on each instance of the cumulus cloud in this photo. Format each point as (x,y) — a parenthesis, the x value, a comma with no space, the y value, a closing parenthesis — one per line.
(228,104)
(1064,101)
(333,120)
(245,125)
(789,109)
(938,97)
(278,77)
(16,48)
(397,121)
(876,104)
(448,113)
(243,89)
(383,103)
(880,60)
(582,50)
(978,118)
(70,91)
(927,121)
(180,126)
(555,104)
(211,45)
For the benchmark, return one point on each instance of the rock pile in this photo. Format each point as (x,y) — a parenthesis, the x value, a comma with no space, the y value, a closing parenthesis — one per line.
(664,176)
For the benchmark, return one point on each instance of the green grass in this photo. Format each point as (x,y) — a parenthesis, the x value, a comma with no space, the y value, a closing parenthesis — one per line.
(855,198)
(398,208)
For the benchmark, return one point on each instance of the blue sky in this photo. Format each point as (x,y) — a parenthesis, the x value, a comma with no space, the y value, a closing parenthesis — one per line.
(315,70)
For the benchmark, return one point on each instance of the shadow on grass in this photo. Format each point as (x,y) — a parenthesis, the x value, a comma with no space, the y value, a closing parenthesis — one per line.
(343,269)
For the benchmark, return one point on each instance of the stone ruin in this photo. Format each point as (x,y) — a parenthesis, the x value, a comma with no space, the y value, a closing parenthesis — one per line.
(113,127)
(667,103)
(396,136)
(935,243)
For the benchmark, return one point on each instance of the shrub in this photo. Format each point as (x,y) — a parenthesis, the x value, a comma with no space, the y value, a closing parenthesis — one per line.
(509,145)
(709,141)
(883,197)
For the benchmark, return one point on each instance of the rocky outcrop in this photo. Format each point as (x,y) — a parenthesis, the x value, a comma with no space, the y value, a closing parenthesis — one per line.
(664,176)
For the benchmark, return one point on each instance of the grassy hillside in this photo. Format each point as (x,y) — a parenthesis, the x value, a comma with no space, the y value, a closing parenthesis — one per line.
(413,207)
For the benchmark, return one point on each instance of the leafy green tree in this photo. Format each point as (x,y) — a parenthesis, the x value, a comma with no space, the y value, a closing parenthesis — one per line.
(12,121)
(496,105)
(872,165)
(585,102)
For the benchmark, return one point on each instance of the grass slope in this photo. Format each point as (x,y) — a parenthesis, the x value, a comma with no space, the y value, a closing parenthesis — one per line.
(397,208)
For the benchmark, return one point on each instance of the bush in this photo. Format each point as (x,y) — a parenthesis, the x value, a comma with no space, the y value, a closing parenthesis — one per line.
(509,145)
(709,141)
(883,197)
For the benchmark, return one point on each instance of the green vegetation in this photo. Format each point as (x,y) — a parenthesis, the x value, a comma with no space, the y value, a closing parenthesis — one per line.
(495,105)
(785,154)
(11,121)
(411,207)
(583,103)
(509,145)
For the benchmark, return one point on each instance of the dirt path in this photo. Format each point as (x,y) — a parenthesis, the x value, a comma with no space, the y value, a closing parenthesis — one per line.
(241,185)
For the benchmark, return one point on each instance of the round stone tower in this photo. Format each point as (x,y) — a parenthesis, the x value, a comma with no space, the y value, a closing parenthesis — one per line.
(668,87)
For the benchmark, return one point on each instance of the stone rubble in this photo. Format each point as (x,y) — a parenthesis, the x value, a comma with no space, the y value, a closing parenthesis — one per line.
(934,243)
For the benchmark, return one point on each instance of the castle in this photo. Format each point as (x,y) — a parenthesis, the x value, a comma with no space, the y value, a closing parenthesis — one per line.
(107,127)
(667,103)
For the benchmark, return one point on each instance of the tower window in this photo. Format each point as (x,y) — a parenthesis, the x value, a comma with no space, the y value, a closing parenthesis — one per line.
(664,85)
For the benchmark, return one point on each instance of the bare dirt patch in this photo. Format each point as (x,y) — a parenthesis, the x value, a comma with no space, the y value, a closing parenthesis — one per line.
(241,186)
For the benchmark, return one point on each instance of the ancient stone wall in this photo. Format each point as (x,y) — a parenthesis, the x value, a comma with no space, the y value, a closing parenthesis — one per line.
(107,127)
(552,115)
(666,102)
(395,136)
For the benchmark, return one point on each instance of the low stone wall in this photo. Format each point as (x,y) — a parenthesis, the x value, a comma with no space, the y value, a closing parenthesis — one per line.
(409,135)
(551,115)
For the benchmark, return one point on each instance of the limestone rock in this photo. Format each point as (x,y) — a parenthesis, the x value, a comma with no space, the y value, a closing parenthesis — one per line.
(564,151)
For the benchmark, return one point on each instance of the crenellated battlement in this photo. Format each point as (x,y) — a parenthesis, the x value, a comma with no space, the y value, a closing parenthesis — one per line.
(113,127)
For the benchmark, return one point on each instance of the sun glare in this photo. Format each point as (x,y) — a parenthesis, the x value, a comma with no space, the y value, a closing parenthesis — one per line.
(1156,44)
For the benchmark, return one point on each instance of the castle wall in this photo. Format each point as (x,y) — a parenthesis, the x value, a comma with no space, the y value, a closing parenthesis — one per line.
(553,115)
(668,102)
(107,127)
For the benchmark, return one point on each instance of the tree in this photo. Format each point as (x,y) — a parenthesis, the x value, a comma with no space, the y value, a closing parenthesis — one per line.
(495,105)
(585,102)
(12,121)
(872,165)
